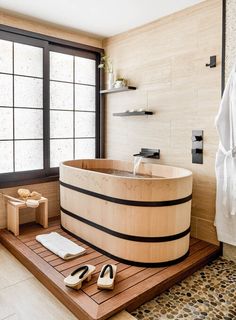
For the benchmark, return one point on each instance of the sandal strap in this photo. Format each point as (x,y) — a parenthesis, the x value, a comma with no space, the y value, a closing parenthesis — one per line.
(85,268)
(108,266)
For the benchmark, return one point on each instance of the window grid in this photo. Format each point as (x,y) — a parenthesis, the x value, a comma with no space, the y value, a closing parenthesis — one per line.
(17,74)
(18,36)
(14,108)
(52,108)
(73,107)
(74,82)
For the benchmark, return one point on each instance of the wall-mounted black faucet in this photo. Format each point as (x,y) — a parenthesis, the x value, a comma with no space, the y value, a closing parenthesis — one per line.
(148,153)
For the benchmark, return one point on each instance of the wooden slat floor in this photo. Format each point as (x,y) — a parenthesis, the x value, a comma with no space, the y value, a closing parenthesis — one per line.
(134,285)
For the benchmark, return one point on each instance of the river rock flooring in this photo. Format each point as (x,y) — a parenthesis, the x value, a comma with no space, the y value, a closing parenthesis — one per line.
(209,293)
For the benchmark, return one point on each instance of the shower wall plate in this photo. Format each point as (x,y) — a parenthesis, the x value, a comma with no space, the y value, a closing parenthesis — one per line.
(197,146)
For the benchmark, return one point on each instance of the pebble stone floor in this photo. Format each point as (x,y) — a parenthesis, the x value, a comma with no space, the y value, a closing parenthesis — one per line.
(209,293)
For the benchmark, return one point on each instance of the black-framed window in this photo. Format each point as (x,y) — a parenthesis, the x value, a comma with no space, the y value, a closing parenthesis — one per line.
(72,105)
(49,105)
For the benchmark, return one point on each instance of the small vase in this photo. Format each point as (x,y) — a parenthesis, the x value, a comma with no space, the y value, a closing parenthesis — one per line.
(110,81)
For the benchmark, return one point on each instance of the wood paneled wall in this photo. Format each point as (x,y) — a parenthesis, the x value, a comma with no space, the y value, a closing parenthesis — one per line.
(12,20)
(51,189)
(166,61)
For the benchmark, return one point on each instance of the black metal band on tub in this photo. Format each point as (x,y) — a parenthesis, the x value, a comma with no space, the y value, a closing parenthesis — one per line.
(127,236)
(165,203)
(132,263)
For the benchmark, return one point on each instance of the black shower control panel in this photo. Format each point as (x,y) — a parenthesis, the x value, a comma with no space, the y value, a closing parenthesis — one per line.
(197,146)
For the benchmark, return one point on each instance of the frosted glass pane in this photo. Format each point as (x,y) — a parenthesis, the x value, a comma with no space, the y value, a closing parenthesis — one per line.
(28,92)
(84,97)
(60,150)
(6,90)
(6,56)
(28,60)
(61,95)
(84,124)
(6,124)
(28,155)
(85,70)
(28,124)
(84,148)
(61,66)
(61,124)
(6,156)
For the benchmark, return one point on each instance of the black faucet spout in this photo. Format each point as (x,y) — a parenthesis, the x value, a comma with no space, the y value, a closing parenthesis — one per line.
(148,153)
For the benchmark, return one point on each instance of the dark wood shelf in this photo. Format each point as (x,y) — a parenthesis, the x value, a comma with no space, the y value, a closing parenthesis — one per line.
(134,113)
(128,88)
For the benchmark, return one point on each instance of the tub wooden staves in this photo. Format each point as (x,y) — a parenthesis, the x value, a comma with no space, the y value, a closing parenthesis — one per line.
(142,221)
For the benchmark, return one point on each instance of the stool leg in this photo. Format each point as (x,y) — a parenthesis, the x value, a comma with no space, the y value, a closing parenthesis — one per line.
(42,214)
(13,219)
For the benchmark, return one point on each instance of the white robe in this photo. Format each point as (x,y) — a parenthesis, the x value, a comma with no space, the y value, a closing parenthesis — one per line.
(225,220)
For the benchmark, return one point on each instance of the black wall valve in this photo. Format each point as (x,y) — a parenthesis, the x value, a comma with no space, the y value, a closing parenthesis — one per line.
(196,138)
(197,146)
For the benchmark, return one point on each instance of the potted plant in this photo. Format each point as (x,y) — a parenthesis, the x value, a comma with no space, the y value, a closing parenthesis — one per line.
(106,65)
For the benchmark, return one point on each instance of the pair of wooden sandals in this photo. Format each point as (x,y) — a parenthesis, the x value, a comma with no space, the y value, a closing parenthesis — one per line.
(105,280)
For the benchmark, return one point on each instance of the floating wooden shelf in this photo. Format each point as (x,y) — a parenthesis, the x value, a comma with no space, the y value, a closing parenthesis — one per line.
(118,89)
(134,113)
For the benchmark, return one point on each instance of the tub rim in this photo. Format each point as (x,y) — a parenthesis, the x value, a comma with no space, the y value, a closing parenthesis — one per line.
(187,172)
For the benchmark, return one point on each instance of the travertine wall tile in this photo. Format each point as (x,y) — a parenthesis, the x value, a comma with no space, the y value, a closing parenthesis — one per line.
(166,61)
(230,59)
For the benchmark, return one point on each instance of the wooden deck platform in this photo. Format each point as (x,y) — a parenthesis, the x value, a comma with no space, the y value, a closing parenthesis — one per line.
(134,285)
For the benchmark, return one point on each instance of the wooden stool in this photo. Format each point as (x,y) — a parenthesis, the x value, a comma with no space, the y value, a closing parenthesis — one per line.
(13,210)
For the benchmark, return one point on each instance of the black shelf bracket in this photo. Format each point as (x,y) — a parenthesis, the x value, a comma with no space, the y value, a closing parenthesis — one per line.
(212,63)
(132,113)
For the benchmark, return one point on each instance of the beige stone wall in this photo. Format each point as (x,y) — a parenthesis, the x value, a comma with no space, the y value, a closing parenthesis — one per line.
(230,45)
(166,61)
(230,60)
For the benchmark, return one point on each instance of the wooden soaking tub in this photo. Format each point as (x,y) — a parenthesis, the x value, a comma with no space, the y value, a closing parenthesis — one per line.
(143,221)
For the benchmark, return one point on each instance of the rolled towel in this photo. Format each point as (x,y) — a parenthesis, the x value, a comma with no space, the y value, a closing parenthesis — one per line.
(61,246)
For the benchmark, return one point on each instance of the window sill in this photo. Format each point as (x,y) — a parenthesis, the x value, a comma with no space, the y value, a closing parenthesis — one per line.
(10,184)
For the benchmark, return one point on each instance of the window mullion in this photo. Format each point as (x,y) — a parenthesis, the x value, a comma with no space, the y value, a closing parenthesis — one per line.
(46,109)
(74,107)
(13,107)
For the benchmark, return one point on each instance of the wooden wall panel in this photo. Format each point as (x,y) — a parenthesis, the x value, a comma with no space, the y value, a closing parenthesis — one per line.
(12,20)
(166,61)
(49,190)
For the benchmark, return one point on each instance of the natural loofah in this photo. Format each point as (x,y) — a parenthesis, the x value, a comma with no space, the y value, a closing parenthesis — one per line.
(23,193)
(35,195)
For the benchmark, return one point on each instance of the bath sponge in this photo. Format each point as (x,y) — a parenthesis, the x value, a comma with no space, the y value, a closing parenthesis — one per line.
(35,195)
(23,193)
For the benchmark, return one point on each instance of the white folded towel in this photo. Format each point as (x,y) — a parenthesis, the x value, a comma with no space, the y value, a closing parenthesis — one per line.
(61,246)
